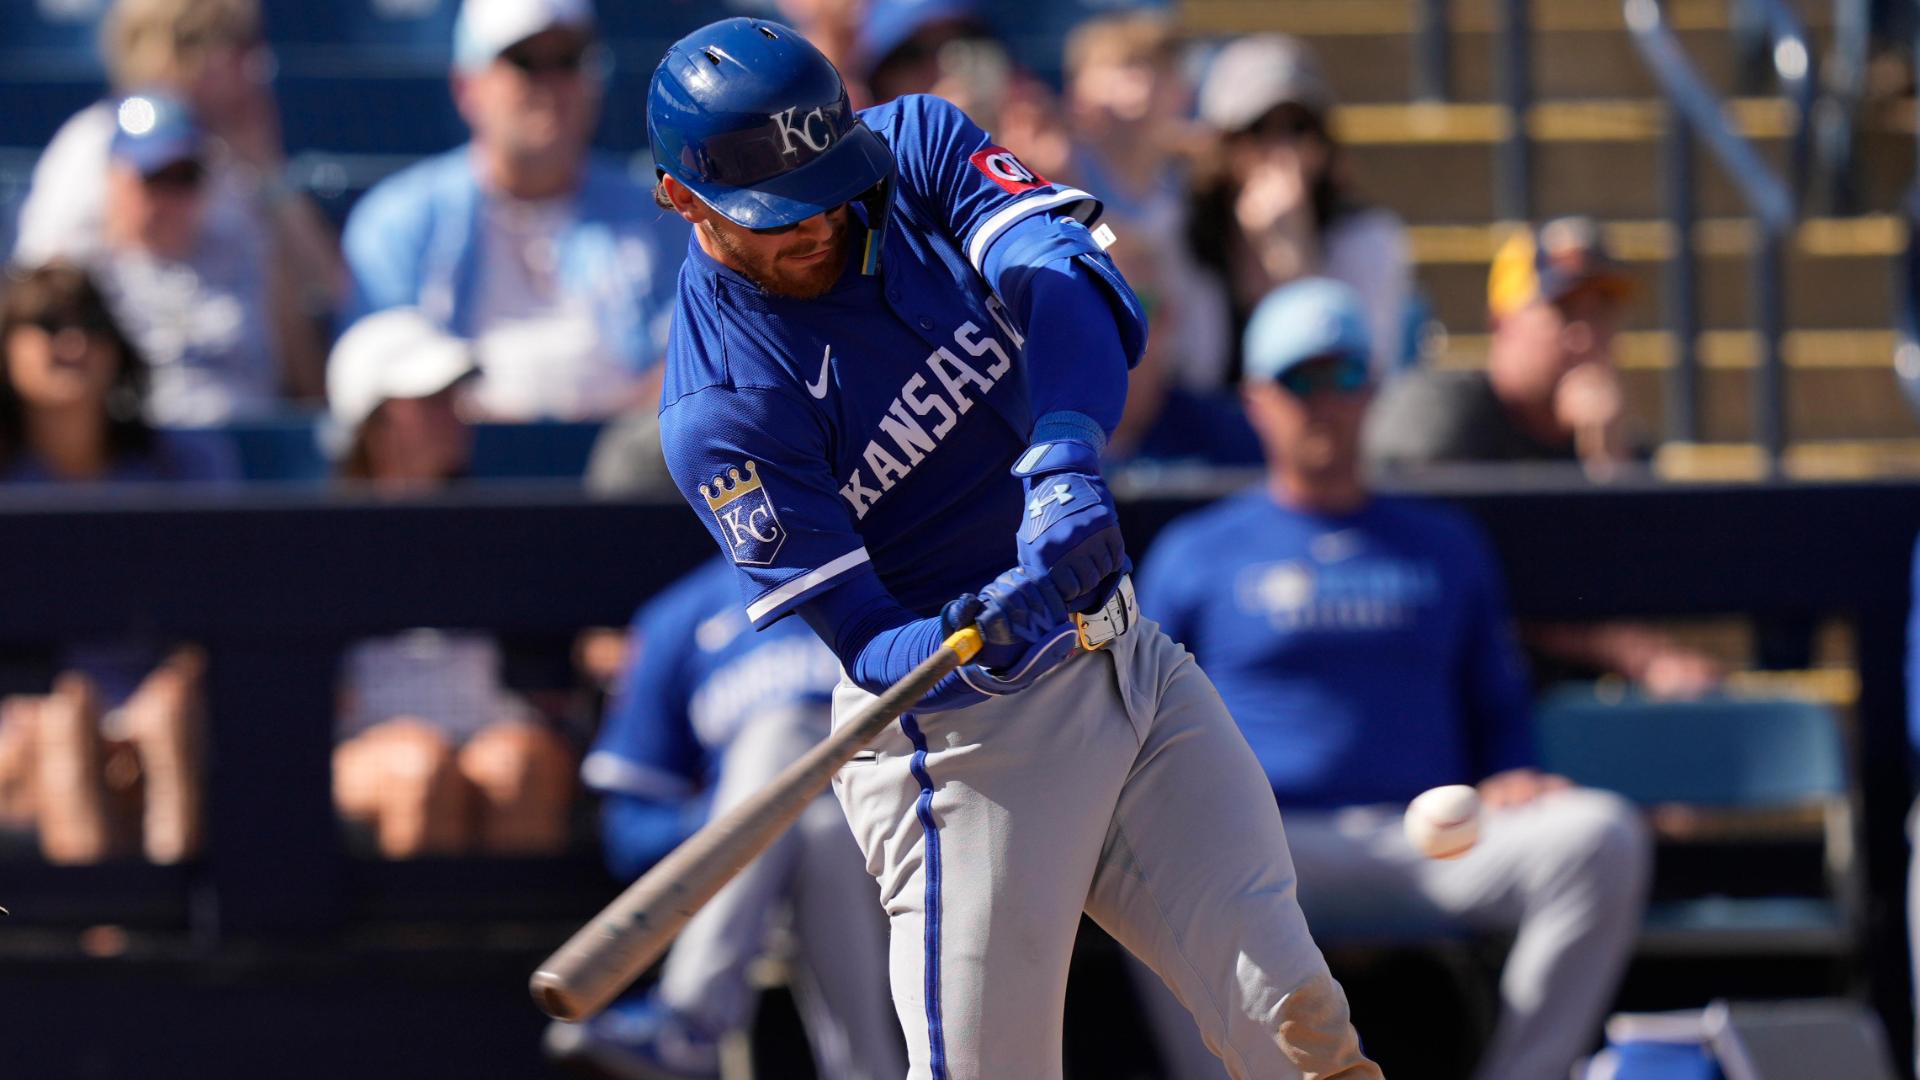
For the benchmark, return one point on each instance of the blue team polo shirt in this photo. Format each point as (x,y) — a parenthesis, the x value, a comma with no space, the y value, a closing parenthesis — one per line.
(1366,656)
(696,676)
(875,425)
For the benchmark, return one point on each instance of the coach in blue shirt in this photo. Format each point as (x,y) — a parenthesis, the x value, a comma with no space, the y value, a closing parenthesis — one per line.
(1362,643)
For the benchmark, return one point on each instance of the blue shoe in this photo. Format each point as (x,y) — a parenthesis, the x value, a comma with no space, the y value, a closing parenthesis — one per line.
(636,1039)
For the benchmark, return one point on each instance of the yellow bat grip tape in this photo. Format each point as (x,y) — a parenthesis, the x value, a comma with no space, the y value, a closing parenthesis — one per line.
(966,642)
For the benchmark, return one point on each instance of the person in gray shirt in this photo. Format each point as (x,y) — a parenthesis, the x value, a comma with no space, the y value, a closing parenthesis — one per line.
(1551,388)
(1550,393)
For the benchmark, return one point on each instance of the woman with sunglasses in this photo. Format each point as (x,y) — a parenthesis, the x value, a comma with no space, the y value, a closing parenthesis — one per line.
(105,764)
(1276,203)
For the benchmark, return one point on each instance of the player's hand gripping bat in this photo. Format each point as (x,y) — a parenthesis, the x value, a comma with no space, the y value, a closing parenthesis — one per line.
(608,953)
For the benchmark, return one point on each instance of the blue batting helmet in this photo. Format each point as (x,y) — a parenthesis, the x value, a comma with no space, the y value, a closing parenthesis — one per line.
(755,121)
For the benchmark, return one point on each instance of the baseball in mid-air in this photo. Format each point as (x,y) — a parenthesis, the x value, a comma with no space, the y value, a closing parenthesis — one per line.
(1444,822)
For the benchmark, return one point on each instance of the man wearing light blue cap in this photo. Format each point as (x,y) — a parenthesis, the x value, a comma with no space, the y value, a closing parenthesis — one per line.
(1361,641)
(550,259)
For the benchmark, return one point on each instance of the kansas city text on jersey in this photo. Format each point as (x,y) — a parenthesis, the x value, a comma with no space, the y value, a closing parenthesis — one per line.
(943,400)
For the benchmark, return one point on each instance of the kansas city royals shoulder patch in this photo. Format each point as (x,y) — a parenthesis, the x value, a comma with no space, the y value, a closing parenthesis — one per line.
(1006,170)
(746,516)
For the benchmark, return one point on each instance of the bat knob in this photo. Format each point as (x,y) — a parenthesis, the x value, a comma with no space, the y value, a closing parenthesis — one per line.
(550,993)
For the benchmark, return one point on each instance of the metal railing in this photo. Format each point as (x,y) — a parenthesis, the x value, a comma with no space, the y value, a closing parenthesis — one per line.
(1694,112)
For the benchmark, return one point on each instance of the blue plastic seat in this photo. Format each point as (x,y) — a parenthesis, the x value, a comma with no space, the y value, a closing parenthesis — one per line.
(388,24)
(289,451)
(403,115)
(51,29)
(1779,762)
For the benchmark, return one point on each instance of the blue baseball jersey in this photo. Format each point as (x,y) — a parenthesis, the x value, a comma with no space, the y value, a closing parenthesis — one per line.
(695,678)
(875,424)
(1366,656)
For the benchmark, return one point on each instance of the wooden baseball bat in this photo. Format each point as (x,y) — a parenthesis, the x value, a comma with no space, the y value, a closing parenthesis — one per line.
(606,955)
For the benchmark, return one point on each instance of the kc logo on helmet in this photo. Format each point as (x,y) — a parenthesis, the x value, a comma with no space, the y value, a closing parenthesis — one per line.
(1006,170)
(803,130)
(746,516)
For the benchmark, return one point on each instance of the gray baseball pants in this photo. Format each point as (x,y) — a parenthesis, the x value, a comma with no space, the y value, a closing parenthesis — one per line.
(1566,874)
(1116,785)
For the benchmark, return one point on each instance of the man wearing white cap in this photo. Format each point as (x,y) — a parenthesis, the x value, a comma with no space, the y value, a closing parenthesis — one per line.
(552,261)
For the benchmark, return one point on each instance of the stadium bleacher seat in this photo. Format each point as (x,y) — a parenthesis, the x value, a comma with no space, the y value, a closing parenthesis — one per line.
(289,451)
(422,25)
(1755,773)
(50,29)
(369,114)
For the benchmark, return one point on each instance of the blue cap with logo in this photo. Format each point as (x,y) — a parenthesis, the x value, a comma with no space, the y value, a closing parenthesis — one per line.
(1308,319)
(153,131)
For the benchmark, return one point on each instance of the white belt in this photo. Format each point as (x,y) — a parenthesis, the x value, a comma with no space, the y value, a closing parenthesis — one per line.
(1097,629)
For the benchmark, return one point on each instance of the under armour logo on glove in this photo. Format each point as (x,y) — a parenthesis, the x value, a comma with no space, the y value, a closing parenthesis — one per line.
(1071,532)
(1037,507)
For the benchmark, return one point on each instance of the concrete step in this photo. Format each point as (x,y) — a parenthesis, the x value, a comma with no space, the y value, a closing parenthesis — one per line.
(1830,460)
(1316,18)
(1840,384)
(1581,48)
(1367,68)
(1437,163)
(1840,273)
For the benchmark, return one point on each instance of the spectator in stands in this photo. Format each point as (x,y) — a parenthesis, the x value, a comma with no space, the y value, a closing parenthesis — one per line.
(1550,392)
(1126,103)
(951,49)
(708,712)
(108,763)
(553,261)
(1275,202)
(210,55)
(196,306)
(1362,642)
(1551,388)
(833,26)
(435,756)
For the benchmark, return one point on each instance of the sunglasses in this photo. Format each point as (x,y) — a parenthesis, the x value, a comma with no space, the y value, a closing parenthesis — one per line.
(1284,123)
(536,62)
(55,325)
(1328,374)
(782,230)
(179,177)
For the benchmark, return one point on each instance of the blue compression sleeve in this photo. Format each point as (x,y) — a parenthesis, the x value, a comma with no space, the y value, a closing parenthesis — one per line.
(878,641)
(637,832)
(1071,304)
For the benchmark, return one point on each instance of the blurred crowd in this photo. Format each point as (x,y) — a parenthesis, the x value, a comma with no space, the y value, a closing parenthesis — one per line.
(168,282)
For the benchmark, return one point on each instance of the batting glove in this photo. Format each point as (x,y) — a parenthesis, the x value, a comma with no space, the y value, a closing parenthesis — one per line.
(1015,610)
(1070,530)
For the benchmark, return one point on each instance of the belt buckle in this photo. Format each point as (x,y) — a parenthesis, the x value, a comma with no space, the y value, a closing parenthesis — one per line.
(1096,630)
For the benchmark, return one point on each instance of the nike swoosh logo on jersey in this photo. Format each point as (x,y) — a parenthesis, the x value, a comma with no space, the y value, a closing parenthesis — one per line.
(819,389)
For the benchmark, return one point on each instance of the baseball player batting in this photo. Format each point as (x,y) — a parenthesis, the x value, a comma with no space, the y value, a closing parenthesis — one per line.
(896,357)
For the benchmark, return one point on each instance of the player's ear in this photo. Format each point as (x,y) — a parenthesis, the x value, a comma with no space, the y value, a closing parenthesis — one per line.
(681,200)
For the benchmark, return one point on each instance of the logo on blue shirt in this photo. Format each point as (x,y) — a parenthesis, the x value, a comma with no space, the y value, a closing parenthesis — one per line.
(747,519)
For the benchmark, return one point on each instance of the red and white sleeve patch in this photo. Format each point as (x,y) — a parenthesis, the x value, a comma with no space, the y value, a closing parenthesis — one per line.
(1006,170)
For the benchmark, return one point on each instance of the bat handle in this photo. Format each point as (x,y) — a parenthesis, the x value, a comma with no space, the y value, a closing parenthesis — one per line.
(965,642)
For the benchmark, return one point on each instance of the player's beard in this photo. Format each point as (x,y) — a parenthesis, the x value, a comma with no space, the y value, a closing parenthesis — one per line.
(774,275)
